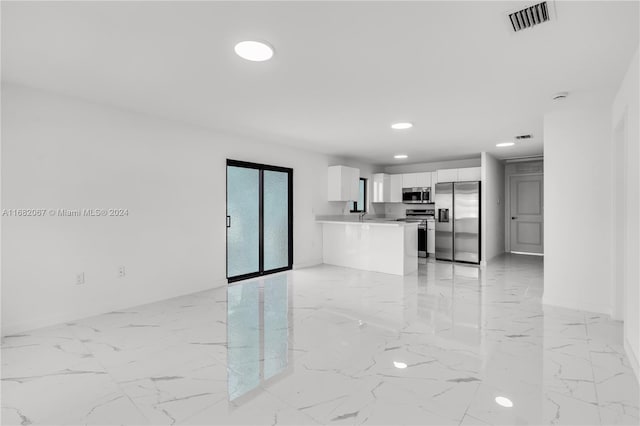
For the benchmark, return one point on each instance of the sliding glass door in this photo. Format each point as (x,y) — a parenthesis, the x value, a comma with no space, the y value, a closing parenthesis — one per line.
(259,219)
(243,221)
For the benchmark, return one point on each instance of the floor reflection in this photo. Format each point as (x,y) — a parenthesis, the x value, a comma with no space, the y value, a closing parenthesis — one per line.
(451,345)
(257,333)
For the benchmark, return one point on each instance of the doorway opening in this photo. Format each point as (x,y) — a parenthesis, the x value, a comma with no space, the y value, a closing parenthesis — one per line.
(259,219)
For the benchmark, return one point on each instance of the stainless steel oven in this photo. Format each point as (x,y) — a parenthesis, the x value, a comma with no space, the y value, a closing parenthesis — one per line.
(421,216)
(416,195)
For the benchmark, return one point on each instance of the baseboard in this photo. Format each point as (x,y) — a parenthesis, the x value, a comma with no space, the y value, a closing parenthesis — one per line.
(307,264)
(633,360)
(526,253)
(585,307)
(9,328)
(485,262)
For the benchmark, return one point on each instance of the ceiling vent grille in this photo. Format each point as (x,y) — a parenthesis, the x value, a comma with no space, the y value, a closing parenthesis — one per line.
(530,16)
(520,137)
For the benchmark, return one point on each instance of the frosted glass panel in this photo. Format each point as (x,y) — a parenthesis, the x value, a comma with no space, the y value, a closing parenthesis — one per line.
(276,220)
(243,338)
(243,237)
(276,325)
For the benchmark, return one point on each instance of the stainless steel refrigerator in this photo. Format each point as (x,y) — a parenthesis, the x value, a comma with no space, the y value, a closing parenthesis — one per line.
(458,221)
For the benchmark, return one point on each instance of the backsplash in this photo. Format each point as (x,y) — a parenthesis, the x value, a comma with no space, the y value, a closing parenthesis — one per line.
(372,209)
(395,210)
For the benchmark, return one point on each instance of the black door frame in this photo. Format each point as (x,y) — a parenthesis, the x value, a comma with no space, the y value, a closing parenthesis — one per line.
(261,168)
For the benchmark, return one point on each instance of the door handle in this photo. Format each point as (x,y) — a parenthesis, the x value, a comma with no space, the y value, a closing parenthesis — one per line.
(228,221)
(514,217)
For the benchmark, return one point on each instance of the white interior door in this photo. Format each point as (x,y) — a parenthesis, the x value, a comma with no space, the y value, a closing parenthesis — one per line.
(527,209)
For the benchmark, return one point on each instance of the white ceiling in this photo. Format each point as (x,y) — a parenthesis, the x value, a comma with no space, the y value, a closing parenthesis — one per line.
(341,74)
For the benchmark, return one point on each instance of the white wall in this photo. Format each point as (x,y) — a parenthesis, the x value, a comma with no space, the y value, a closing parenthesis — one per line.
(59,152)
(492,211)
(577,168)
(625,116)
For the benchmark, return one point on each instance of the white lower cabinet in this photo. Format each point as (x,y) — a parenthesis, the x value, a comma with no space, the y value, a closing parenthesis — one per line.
(431,237)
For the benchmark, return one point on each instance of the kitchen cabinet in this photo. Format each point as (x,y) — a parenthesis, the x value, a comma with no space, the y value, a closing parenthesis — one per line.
(431,237)
(448,175)
(381,188)
(469,174)
(434,180)
(424,179)
(343,183)
(416,180)
(409,180)
(396,182)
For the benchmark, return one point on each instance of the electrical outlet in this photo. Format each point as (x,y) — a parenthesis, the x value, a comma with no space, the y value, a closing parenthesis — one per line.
(121,272)
(80,278)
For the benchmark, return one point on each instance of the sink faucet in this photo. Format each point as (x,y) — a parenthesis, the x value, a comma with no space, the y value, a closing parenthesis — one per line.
(362,216)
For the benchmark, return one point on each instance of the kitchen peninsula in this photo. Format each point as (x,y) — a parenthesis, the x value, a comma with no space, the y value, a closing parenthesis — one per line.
(372,244)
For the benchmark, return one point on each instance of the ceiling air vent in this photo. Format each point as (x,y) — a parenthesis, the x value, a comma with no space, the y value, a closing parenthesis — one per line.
(521,137)
(530,16)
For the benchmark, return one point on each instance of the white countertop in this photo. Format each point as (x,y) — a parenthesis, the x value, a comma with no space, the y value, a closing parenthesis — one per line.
(354,220)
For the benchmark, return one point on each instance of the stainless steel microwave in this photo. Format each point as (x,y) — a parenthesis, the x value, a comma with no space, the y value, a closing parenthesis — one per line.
(416,195)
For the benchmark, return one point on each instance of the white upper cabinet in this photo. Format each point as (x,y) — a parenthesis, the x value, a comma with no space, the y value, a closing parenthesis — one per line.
(388,188)
(409,180)
(459,175)
(434,180)
(448,175)
(396,182)
(469,174)
(416,180)
(343,183)
(381,188)
(424,179)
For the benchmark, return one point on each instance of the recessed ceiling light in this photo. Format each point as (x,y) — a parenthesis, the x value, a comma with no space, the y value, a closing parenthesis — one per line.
(255,51)
(504,402)
(402,126)
(398,364)
(401,156)
(503,144)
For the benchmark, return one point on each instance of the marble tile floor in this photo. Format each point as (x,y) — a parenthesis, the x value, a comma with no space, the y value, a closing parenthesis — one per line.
(328,345)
